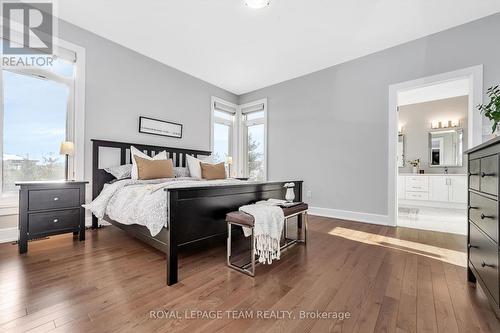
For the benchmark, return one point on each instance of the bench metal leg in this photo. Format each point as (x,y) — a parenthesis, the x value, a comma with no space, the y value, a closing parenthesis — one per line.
(249,268)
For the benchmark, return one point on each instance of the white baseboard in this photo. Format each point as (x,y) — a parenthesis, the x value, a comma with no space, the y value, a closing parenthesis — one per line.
(9,235)
(351,216)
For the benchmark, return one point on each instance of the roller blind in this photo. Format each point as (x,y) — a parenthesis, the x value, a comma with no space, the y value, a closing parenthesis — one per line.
(58,51)
(253,108)
(224,107)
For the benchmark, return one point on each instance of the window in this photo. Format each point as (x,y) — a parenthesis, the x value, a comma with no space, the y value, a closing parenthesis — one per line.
(37,114)
(254,141)
(223,114)
(240,132)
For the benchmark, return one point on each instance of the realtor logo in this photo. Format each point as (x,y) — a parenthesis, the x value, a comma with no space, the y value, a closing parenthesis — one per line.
(27,27)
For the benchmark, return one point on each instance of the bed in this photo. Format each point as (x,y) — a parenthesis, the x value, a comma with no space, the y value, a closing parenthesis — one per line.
(196,213)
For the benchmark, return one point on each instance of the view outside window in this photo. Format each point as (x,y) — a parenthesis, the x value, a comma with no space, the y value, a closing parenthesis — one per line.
(34,125)
(244,127)
(255,153)
(221,142)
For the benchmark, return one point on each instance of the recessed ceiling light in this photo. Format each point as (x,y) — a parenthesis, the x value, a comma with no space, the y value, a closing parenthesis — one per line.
(257,4)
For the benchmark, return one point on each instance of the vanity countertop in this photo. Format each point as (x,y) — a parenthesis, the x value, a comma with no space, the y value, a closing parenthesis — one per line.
(431,174)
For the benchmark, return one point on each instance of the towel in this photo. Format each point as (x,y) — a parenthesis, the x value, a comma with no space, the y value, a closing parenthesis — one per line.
(268,226)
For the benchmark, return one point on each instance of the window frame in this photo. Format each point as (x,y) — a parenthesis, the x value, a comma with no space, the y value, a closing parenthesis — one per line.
(243,139)
(233,144)
(75,120)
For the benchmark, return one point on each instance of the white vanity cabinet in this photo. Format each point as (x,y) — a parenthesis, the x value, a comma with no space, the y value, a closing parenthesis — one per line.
(440,188)
(458,189)
(433,190)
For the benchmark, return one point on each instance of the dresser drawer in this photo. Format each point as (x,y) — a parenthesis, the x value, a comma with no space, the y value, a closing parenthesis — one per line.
(416,195)
(483,255)
(489,175)
(474,174)
(53,199)
(53,221)
(484,213)
(417,184)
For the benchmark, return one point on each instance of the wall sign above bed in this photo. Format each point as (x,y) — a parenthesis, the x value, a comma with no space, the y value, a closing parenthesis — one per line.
(159,127)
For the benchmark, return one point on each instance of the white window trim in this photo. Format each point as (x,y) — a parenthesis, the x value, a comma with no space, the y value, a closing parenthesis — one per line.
(243,124)
(233,144)
(76,126)
(238,141)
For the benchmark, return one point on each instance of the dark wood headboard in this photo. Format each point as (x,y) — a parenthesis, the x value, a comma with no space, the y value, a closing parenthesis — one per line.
(101,177)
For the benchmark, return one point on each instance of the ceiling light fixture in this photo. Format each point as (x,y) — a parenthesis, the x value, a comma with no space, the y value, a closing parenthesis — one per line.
(257,4)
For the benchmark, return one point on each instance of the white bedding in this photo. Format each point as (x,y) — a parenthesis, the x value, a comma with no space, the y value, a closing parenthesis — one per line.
(143,202)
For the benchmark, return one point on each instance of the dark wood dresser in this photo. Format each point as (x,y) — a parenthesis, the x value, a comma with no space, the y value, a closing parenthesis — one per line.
(50,208)
(483,216)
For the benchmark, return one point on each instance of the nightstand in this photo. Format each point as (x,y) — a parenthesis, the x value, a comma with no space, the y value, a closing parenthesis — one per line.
(50,208)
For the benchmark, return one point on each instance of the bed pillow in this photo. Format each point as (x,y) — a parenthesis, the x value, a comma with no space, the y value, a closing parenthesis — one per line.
(120,171)
(213,171)
(154,169)
(136,152)
(193,164)
(181,172)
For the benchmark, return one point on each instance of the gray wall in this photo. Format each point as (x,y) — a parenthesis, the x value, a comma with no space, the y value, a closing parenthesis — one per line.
(330,128)
(122,84)
(416,121)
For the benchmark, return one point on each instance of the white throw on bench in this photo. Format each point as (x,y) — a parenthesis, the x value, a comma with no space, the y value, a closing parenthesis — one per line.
(268,226)
(272,225)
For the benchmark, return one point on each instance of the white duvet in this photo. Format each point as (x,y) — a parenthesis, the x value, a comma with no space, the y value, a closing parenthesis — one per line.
(143,202)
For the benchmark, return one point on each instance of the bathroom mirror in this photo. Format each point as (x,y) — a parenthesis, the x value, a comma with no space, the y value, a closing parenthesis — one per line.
(401,150)
(445,147)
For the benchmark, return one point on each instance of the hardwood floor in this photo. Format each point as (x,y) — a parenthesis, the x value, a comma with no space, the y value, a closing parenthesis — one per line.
(388,279)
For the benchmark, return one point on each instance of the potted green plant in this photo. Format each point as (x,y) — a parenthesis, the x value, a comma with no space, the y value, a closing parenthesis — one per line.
(414,164)
(492,109)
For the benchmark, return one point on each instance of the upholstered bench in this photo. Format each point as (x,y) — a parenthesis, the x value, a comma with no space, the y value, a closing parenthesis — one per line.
(247,221)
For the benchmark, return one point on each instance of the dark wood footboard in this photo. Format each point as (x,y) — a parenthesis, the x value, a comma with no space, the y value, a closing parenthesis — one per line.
(197,214)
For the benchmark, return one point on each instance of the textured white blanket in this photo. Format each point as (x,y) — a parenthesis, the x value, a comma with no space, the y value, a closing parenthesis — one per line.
(268,225)
(142,201)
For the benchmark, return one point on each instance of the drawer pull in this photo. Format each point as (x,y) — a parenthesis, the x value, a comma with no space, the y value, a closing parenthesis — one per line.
(470,246)
(485,217)
(484,174)
(472,207)
(473,174)
(56,198)
(55,220)
(483,264)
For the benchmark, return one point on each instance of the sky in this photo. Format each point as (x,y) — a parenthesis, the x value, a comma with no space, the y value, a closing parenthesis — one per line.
(34,114)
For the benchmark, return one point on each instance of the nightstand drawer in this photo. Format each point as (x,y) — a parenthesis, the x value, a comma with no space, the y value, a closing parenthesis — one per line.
(53,221)
(53,199)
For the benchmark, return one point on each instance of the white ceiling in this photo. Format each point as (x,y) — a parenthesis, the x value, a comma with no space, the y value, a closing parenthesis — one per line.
(434,92)
(241,49)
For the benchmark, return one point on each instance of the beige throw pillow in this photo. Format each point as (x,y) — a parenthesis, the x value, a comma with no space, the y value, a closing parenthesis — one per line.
(213,171)
(154,169)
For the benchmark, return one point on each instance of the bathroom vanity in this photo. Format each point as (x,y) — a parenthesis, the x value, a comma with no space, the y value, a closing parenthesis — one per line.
(433,190)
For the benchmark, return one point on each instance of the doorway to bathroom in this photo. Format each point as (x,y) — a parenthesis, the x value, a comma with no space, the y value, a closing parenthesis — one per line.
(432,123)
